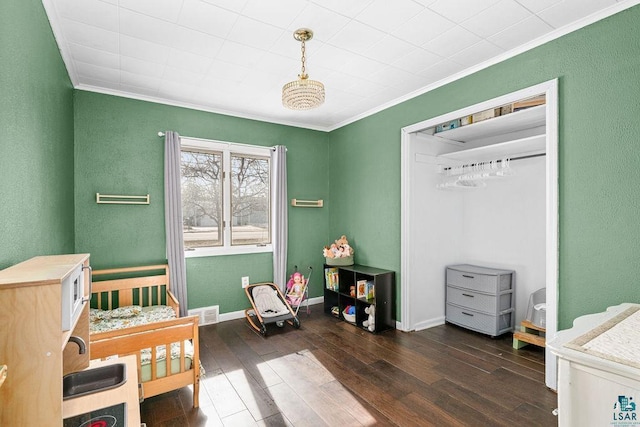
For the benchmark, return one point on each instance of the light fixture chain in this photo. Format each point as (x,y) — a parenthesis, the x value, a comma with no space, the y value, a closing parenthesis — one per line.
(303,59)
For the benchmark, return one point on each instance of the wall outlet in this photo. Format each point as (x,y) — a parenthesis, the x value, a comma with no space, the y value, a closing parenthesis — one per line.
(245,281)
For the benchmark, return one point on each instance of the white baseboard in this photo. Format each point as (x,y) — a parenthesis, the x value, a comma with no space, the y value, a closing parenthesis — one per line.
(224,317)
(233,315)
(430,323)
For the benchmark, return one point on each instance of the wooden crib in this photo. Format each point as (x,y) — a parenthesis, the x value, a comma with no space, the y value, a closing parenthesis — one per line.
(148,286)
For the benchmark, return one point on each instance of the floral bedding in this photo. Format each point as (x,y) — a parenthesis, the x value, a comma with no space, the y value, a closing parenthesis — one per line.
(134,315)
(125,317)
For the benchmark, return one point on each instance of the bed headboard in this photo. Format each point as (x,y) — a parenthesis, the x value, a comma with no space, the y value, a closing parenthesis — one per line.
(132,285)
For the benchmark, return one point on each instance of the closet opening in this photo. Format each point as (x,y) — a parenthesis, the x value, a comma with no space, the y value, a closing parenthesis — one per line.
(479,187)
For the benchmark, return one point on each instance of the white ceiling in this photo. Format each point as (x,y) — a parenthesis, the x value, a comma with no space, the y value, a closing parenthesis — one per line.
(233,56)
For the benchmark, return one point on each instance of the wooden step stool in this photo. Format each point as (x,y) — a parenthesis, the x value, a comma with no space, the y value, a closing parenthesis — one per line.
(529,334)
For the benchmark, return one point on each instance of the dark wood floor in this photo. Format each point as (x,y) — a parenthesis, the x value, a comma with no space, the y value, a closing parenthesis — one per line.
(330,373)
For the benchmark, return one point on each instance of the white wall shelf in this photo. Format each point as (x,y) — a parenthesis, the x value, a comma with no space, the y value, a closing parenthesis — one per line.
(524,119)
(517,148)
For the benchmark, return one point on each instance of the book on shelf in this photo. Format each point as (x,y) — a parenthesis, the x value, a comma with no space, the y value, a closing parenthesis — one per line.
(361,289)
(371,290)
(331,278)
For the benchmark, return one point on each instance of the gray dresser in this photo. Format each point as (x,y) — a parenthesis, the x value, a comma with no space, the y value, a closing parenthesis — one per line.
(480,298)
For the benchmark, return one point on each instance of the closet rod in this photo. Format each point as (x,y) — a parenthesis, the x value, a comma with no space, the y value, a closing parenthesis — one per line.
(529,156)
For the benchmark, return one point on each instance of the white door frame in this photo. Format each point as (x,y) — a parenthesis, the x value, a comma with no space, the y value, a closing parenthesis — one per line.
(550,89)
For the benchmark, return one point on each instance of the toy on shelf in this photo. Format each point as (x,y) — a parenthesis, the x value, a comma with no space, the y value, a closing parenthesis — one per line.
(339,252)
(370,323)
(349,313)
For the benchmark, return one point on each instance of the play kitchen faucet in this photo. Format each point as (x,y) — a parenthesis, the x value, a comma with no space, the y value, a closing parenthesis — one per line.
(80,342)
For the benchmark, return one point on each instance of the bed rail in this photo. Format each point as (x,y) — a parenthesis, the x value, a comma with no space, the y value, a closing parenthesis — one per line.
(154,335)
(144,290)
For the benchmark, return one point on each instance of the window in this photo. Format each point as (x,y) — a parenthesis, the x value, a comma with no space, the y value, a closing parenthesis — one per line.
(226,197)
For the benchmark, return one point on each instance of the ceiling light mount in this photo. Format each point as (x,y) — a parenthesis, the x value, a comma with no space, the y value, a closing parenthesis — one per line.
(303,34)
(303,94)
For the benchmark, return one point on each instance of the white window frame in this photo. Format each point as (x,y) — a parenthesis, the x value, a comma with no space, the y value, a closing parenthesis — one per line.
(227,149)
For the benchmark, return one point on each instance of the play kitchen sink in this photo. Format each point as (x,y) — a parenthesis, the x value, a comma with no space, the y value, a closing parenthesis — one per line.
(106,394)
(93,380)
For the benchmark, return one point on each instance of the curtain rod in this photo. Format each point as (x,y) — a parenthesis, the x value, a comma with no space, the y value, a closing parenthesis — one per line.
(162,134)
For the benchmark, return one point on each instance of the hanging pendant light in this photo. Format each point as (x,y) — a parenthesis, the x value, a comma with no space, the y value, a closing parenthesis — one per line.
(303,94)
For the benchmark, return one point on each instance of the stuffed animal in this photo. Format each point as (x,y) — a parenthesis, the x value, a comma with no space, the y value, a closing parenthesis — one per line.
(342,241)
(334,250)
(370,323)
(327,252)
(342,248)
(339,249)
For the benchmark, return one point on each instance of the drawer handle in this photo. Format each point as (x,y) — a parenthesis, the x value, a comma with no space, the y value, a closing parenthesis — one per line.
(467,276)
(467,314)
(468,295)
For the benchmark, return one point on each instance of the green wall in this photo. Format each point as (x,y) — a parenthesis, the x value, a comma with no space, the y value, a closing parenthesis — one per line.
(48,184)
(36,152)
(599,160)
(118,151)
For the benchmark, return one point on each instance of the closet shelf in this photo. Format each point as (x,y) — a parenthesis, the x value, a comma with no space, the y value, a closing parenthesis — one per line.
(524,119)
(519,147)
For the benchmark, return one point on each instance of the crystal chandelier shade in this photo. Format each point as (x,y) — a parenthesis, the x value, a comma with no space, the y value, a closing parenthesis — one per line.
(303,93)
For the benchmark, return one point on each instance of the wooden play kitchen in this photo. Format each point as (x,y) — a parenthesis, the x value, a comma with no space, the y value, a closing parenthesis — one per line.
(44,313)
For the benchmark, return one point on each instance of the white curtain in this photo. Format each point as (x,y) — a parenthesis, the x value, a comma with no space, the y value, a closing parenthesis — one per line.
(173,219)
(280,221)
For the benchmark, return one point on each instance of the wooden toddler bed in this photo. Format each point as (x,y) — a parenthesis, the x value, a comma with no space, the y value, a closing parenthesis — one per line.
(136,323)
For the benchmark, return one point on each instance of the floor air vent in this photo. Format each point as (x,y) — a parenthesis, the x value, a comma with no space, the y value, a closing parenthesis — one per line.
(208,315)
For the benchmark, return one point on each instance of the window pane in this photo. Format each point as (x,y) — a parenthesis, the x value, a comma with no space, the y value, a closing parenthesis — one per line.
(250,208)
(201,199)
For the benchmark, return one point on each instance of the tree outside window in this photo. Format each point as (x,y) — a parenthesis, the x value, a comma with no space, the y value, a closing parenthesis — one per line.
(226,199)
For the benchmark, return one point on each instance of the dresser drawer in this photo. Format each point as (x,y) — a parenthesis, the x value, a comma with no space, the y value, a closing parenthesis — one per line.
(481,282)
(480,322)
(480,302)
